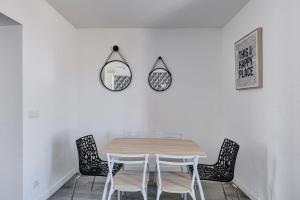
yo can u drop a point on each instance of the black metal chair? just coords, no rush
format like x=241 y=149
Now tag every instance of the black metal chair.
x=223 y=170
x=90 y=163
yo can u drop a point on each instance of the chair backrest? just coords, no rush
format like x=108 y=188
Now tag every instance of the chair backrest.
x=172 y=160
x=87 y=153
x=136 y=134
x=126 y=134
x=128 y=159
x=113 y=134
x=227 y=158
x=168 y=135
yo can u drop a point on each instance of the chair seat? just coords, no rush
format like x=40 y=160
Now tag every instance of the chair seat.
x=130 y=181
x=223 y=169
x=99 y=168
x=176 y=182
x=213 y=173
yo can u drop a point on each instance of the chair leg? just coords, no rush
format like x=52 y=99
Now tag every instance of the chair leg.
x=158 y=194
x=144 y=193
x=155 y=174
x=119 y=195
x=237 y=191
x=224 y=191
x=93 y=183
x=74 y=186
x=185 y=196
x=105 y=188
x=193 y=195
x=111 y=191
x=198 y=182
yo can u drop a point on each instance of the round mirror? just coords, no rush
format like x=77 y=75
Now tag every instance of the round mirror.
x=160 y=79
x=115 y=75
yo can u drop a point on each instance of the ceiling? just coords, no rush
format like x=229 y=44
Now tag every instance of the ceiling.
x=6 y=21
x=148 y=13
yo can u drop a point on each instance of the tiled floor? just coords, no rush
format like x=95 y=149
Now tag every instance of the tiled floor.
x=212 y=191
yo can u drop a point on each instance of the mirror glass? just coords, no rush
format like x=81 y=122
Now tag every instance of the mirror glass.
x=160 y=79
x=115 y=75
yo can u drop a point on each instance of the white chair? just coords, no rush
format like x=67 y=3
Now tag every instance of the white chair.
x=168 y=135
x=176 y=182
x=128 y=180
x=113 y=134
x=136 y=134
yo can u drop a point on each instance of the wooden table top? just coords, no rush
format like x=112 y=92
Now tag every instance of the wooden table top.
x=153 y=146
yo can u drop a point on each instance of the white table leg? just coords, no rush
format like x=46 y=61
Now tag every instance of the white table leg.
x=105 y=188
x=200 y=186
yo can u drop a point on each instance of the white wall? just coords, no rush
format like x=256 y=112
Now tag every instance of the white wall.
x=11 y=112
x=192 y=105
x=49 y=78
x=6 y=21
x=266 y=121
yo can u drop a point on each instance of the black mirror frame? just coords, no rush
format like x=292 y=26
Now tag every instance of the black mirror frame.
x=103 y=69
x=115 y=49
x=165 y=69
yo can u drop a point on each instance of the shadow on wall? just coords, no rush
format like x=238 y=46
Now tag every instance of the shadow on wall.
x=64 y=155
x=271 y=178
x=254 y=158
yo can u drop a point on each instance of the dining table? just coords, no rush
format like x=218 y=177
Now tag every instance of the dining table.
x=153 y=146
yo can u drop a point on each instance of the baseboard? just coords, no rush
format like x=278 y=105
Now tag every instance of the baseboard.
x=58 y=185
x=249 y=193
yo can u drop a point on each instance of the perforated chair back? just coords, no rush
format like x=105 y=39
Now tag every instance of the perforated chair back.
x=87 y=154
x=227 y=158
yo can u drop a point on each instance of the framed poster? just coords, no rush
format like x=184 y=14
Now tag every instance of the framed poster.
x=249 y=61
